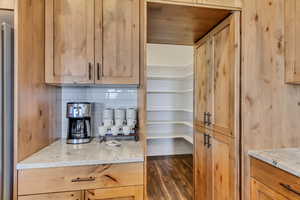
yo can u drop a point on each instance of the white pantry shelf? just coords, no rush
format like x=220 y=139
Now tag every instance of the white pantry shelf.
x=169 y=91
x=187 y=137
x=190 y=124
x=160 y=77
x=166 y=109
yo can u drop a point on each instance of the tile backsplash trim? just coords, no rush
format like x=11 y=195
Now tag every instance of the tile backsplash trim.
x=100 y=97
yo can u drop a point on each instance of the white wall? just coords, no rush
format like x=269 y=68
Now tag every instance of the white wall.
x=169 y=55
x=100 y=97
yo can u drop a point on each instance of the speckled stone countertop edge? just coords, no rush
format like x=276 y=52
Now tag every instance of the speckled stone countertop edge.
x=21 y=166
x=59 y=154
x=276 y=163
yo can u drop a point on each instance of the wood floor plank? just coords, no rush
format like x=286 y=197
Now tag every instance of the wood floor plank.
x=170 y=177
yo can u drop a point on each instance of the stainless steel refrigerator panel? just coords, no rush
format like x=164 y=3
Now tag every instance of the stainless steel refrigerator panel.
x=7 y=62
x=1 y=120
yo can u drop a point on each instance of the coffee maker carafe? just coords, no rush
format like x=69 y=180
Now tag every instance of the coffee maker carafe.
x=79 y=129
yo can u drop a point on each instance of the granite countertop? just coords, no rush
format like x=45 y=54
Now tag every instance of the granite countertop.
x=60 y=154
x=286 y=159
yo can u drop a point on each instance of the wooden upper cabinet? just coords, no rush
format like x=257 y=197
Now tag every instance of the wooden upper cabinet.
x=92 y=41
x=117 y=41
x=217 y=69
x=123 y=193
x=54 y=196
x=224 y=167
x=260 y=191
x=226 y=53
x=203 y=80
x=69 y=41
x=292 y=41
x=226 y=3
x=7 y=4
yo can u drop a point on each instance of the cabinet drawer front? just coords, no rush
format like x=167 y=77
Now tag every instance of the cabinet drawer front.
x=276 y=179
x=36 y=181
x=261 y=192
x=54 y=196
x=122 y=193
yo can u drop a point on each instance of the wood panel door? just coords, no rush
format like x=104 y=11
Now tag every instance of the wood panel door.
x=224 y=169
x=225 y=3
x=117 y=42
x=69 y=41
x=122 y=193
x=202 y=168
x=203 y=80
x=226 y=64
x=54 y=196
x=260 y=191
x=292 y=42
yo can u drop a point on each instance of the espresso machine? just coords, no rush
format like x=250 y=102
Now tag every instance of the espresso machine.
x=79 y=116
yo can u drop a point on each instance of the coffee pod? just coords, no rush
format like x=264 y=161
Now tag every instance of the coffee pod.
x=115 y=130
x=126 y=130
x=102 y=131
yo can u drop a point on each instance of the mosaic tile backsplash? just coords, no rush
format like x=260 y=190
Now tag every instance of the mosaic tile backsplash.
x=100 y=97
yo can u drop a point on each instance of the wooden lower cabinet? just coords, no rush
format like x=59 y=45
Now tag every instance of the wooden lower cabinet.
x=96 y=182
x=65 y=179
x=122 y=193
x=202 y=180
x=261 y=192
x=55 y=196
x=224 y=167
x=271 y=183
x=216 y=166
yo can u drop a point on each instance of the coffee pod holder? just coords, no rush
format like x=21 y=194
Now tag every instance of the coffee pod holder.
x=109 y=135
x=120 y=115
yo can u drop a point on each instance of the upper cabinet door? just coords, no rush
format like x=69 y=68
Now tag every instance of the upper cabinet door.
x=69 y=41
x=203 y=80
x=117 y=42
x=123 y=193
x=226 y=3
x=226 y=53
x=292 y=41
x=7 y=4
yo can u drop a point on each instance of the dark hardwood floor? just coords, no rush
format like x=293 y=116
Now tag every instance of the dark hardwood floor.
x=170 y=177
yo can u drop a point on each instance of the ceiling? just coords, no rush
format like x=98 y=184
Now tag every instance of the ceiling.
x=180 y=25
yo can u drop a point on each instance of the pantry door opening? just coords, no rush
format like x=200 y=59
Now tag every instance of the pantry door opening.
x=170 y=121
x=183 y=120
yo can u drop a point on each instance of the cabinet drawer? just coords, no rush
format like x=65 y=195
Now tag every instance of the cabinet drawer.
x=36 y=181
x=124 y=193
x=278 y=180
x=55 y=196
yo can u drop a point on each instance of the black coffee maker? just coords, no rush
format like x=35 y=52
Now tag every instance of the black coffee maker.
x=79 y=129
